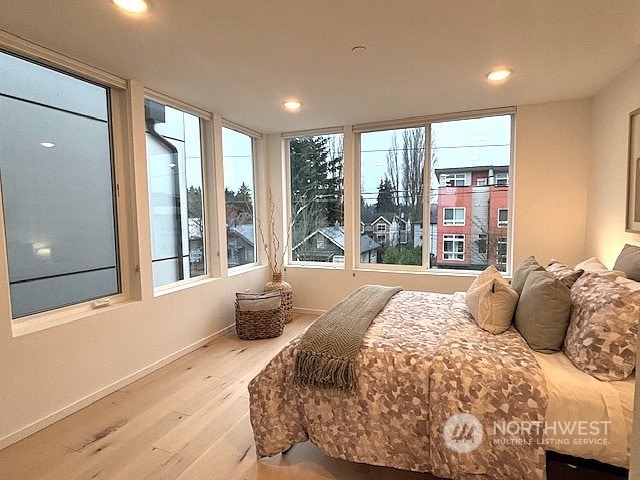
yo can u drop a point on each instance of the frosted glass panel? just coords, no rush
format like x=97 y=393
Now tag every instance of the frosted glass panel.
x=39 y=84
x=58 y=199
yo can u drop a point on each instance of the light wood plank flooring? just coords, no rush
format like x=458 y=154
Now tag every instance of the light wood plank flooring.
x=186 y=421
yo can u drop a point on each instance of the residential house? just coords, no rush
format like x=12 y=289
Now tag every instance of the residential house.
x=240 y=244
x=327 y=245
x=473 y=217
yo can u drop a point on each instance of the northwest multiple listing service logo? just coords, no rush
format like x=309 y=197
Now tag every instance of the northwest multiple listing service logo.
x=463 y=433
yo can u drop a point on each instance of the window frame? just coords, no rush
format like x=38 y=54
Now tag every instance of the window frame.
x=453 y=177
x=455 y=239
x=121 y=164
x=502 y=179
x=453 y=221
x=285 y=231
x=206 y=153
x=256 y=138
x=426 y=121
x=503 y=223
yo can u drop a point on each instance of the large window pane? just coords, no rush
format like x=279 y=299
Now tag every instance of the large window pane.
x=317 y=218
x=174 y=163
x=391 y=206
x=470 y=177
x=57 y=187
x=237 y=151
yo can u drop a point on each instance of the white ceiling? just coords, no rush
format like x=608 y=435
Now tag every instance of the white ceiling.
x=242 y=58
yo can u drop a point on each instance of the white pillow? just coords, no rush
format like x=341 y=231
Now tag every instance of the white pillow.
x=491 y=301
x=596 y=266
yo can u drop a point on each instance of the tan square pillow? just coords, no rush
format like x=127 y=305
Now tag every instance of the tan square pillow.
x=542 y=315
x=603 y=328
x=594 y=265
x=491 y=301
x=527 y=266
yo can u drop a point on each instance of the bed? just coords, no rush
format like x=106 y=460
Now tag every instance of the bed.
x=429 y=382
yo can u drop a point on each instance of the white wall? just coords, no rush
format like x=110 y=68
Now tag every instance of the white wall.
x=552 y=149
x=607 y=190
x=608 y=168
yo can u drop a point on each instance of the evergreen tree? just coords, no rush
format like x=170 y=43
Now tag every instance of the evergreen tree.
x=316 y=185
x=385 y=202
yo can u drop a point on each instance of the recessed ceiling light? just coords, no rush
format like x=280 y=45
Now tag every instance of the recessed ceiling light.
x=498 y=74
x=133 y=6
x=292 y=105
x=48 y=144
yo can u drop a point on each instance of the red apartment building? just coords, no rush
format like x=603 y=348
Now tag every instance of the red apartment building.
x=473 y=217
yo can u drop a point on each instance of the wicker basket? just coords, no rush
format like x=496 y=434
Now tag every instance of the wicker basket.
x=255 y=324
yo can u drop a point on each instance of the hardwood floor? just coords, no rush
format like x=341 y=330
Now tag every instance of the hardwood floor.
x=186 y=421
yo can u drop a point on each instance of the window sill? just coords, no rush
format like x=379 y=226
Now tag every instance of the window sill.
x=249 y=267
x=45 y=320
x=318 y=265
x=183 y=285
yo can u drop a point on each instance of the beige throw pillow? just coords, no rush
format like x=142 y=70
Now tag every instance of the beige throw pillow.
x=491 y=301
x=542 y=315
x=594 y=265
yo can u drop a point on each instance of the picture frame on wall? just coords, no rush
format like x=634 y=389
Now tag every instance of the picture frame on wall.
x=633 y=176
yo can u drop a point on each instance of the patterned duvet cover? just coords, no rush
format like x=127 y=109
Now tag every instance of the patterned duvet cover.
x=423 y=362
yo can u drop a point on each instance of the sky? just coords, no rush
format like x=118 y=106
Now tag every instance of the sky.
x=480 y=142
x=473 y=142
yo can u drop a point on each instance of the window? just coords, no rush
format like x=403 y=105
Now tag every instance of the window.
x=316 y=194
x=453 y=247
x=319 y=241
x=482 y=243
x=453 y=180
x=502 y=179
x=501 y=254
x=391 y=172
x=237 y=154
x=338 y=259
x=174 y=165
x=456 y=153
x=58 y=187
x=454 y=216
x=503 y=217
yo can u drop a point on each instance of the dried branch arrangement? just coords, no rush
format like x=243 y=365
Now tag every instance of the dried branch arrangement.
x=274 y=249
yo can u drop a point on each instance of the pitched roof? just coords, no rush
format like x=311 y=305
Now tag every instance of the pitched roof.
x=336 y=236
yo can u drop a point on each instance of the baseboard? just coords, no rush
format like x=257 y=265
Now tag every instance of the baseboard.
x=308 y=311
x=89 y=399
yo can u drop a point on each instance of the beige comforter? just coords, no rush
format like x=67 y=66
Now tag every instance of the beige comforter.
x=423 y=360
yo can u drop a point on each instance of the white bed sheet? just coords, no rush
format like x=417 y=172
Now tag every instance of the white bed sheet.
x=586 y=417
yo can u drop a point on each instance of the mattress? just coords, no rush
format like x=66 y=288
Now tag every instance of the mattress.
x=586 y=417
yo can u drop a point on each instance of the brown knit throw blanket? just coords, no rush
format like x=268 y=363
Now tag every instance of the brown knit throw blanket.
x=327 y=351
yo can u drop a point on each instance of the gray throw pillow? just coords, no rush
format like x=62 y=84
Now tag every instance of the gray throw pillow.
x=543 y=311
x=629 y=262
x=524 y=269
